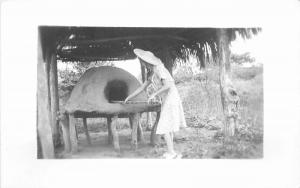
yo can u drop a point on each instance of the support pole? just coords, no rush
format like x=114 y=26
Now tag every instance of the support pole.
x=43 y=107
x=53 y=83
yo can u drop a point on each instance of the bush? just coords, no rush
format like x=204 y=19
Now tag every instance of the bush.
x=241 y=58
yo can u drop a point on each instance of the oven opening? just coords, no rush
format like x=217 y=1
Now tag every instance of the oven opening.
x=116 y=90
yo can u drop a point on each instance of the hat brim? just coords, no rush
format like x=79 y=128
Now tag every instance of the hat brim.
x=147 y=56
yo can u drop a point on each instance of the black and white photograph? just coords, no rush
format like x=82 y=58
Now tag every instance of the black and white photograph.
x=168 y=93
x=150 y=94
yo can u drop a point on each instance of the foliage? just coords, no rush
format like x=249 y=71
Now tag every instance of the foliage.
x=241 y=58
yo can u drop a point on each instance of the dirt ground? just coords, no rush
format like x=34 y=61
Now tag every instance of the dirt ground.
x=192 y=143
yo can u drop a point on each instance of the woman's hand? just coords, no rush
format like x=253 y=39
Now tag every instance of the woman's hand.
x=151 y=98
x=126 y=100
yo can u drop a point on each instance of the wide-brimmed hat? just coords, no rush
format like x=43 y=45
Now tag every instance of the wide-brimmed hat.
x=147 y=56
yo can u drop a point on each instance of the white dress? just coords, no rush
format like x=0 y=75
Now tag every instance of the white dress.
x=172 y=115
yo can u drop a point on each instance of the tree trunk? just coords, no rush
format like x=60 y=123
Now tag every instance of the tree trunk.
x=43 y=108
x=229 y=96
x=54 y=100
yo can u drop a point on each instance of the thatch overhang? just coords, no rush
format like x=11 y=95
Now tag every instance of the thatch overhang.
x=86 y=44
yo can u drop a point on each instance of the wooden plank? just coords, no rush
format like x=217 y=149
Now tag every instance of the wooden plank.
x=88 y=138
x=73 y=138
x=43 y=107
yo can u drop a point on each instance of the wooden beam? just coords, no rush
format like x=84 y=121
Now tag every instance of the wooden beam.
x=43 y=107
x=104 y=40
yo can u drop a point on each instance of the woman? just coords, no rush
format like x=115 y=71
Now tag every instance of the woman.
x=172 y=116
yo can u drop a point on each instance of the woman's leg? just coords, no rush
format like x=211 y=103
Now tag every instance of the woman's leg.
x=169 y=140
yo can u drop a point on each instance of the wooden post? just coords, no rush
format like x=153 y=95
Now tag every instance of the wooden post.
x=73 y=138
x=109 y=137
x=54 y=99
x=229 y=96
x=43 y=107
x=115 y=133
x=88 y=138
x=154 y=137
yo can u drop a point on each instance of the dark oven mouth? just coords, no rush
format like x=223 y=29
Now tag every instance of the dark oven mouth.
x=116 y=90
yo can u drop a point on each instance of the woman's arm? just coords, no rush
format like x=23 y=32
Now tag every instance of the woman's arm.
x=166 y=86
x=138 y=90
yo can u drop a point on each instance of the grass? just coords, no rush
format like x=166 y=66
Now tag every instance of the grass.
x=201 y=101
x=200 y=96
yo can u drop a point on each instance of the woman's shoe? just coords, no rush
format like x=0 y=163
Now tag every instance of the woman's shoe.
x=172 y=156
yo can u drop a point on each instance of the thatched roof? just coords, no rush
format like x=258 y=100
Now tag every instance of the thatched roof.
x=116 y=43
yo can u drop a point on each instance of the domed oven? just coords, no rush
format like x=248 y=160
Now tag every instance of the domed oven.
x=100 y=92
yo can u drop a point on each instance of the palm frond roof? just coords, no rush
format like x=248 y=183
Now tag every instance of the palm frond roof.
x=87 y=44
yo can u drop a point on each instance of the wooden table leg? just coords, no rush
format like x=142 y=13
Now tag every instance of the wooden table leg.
x=140 y=134
x=86 y=131
x=72 y=128
x=110 y=137
x=154 y=136
x=66 y=133
x=115 y=133
x=134 y=119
